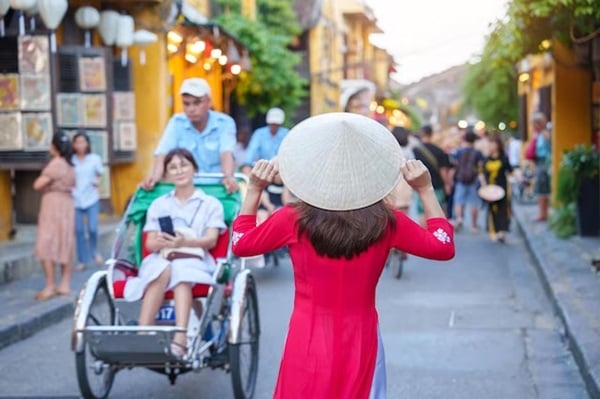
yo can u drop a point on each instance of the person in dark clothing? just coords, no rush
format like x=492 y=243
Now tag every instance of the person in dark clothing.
x=496 y=169
x=438 y=163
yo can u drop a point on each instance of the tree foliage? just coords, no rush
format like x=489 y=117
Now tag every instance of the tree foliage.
x=273 y=79
x=490 y=85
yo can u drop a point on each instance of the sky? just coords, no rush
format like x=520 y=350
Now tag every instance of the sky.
x=429 y=36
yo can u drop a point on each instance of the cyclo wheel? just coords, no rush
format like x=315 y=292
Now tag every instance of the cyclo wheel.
x=95 y=378
x=243 y=356
x=396 y=263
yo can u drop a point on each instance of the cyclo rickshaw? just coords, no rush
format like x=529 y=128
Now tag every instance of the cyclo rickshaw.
x=224 y=328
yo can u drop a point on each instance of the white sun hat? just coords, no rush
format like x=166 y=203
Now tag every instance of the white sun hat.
x=340 y=161
x=275 y=116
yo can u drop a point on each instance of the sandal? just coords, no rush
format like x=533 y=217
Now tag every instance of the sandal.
x=64 y=293
x=178 y=350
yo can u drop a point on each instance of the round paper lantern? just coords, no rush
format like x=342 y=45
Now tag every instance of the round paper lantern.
x=143 y=38
x=124 y=38
x=87 y=17
x=52 y=12
x=107 y=27
x=22 y=4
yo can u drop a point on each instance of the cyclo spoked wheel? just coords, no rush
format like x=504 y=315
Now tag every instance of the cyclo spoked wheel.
x=396 y=263
x=95 y=378
x=243 y=356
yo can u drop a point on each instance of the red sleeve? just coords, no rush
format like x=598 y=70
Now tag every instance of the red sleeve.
x=275 y=232
x=435 y=242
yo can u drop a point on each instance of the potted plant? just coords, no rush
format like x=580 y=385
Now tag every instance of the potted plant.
x=579 y=184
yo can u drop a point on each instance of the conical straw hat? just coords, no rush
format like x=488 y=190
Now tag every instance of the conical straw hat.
x=340 y=161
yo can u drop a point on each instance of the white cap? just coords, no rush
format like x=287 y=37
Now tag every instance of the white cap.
x=275 y=116
x=195 y=87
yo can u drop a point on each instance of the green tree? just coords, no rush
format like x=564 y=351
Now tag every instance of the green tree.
x=490 y=85
x=273 y=79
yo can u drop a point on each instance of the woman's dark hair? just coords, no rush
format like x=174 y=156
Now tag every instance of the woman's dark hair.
x=62 y=144
x=87 y=140
x=182 y=153
x=401 y=135
x=343 y=234
x=499 y=144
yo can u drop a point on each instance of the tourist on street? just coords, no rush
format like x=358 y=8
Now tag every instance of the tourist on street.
x=88 y=169
x=438 y=164
x=197 y=219
x=209 y=135
x=496 y=169
x=468 y=164
x=339 y=234
x=542 y=163
x=55 y=237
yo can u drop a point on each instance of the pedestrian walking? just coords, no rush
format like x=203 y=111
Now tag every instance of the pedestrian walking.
x=339 y=235
x=265 y=141
x=468 y=165
x=401 y=196
x=88 y=170
x=54 y=242
x=438 y=164
x=541 y=136
x=496 y=170
x=209 y=135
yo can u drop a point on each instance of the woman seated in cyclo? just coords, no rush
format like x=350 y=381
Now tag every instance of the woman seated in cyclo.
x=197 y=219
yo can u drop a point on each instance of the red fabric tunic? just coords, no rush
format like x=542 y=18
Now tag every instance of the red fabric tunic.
x=331 y=347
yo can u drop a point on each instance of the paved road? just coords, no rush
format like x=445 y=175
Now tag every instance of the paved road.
x=477 y=327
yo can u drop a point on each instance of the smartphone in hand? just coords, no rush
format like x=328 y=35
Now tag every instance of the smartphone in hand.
x=166 y=225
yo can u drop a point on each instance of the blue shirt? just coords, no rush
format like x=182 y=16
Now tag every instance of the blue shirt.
x=206 y=146
x=542 y=146
x=264 y=145
x=87 y=171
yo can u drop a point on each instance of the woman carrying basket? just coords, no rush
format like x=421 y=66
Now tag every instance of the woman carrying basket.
x=340 y=166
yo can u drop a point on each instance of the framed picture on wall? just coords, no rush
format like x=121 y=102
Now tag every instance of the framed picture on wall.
x=104 y=186
x=11 y=138
x=69 y=109
x=34 y=56
x=127 y=136
x=92 y=74
x=9 y=92
x=123 y=106
x=94 y=114
x=99 y=143
x=37 y=130
x=35 y=92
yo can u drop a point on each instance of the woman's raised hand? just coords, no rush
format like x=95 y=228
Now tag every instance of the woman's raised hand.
x=263 y=173
x=416 y=174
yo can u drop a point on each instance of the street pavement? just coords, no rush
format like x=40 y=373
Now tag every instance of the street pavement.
x=479 y=326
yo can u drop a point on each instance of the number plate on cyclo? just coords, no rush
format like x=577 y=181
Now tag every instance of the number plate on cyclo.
x=166 y=313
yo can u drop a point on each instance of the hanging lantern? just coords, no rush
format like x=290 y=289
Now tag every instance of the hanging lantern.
x=4 y=6
x=124 y=39
x=22 y=5
x=87 y=18
x=143 y=38
x=107 y=27
x=52 y=12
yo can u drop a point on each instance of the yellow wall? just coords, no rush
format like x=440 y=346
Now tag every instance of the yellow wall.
x=6 y=207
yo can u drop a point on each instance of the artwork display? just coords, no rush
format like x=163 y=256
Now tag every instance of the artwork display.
x=9 y=91
x=11 y=138
x=99 y=143
x=37 y=130
x=104 y=186
x=33 y=54
x=69 y=109
x=94 y=106
x=92 y=75
x=123 y=106
x=127 y=136
x=35 y=92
